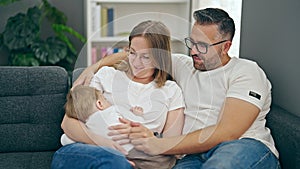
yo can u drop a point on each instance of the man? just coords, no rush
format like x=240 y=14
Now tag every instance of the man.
x=226 y=98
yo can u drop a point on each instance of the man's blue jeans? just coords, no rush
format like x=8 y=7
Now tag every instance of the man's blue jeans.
x=238 y=154
x=84 y=156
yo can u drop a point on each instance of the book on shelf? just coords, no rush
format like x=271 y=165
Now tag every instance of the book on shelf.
x=107 y=21
x=103 y=21
x=105 y=51
x=95 y=17
x=94 y=58
x=110 y=22
x=97 y=54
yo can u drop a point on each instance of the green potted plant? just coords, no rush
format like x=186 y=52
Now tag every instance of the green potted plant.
x=26 y=47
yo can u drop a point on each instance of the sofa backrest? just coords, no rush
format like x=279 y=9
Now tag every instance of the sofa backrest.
x=31 y=107
x=76 y=73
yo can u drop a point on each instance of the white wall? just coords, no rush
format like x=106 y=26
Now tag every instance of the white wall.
x=270 y=35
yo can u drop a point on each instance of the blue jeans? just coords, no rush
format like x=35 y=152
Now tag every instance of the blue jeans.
x=85 y=156
x=238 y=154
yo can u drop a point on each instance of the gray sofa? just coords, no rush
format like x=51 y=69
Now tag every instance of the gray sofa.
x=285 y=129
x=31 y=110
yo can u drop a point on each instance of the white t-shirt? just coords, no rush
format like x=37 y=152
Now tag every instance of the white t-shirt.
x=124 y=93
x=98 y=123
x=101 y=120
x=205 y=92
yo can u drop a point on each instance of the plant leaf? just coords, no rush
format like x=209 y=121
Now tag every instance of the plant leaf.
x=41 y=51
x=64 y=28
x=51 y=51
x=20 y=31
x=53 y=14
x=34 y=14
x=58 y=50
x=23 y=59
x=59 y=29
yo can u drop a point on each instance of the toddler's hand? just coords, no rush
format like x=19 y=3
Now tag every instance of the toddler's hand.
x=137 y=110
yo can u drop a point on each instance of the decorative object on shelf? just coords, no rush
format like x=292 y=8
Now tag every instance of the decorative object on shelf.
x=22 y=38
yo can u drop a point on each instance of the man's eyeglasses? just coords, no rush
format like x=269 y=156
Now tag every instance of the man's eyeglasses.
x=200 y=46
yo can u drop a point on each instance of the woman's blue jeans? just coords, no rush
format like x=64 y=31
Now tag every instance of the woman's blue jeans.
x=237 y=154
x=245 y=153
x=85 y=156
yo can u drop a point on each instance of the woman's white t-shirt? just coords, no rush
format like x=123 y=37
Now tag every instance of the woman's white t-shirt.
x=124 y=93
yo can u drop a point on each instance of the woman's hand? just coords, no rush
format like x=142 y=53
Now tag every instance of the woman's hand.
x=101 y=141
x=139 y=131
x=141 y=137
x=120 y=132
x=86 y=76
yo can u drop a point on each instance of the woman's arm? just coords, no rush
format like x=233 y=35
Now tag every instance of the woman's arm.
x=86 y=76
x=174 y=123
x=78 y=132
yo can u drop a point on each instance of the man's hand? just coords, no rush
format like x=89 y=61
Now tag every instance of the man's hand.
x=144 y=140
x=141 y=137
x=149 y=145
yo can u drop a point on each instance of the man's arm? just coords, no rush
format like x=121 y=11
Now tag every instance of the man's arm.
x=86 y=76
x=237 y=116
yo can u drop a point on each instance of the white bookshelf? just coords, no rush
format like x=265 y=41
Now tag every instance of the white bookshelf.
x=175 y=14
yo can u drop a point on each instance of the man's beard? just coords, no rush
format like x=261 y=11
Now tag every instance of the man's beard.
x=204 y=64
x=198 y=66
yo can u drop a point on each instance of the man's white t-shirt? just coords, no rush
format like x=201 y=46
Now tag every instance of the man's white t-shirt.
x=205 y=92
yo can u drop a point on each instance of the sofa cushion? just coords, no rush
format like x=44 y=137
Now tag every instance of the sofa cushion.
x=31 y=107
x=26 y=160
x=286 y=132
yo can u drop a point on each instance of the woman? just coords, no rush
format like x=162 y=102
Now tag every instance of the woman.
x=140 y=80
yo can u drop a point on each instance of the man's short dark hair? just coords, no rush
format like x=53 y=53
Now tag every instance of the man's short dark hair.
x=216 y=16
